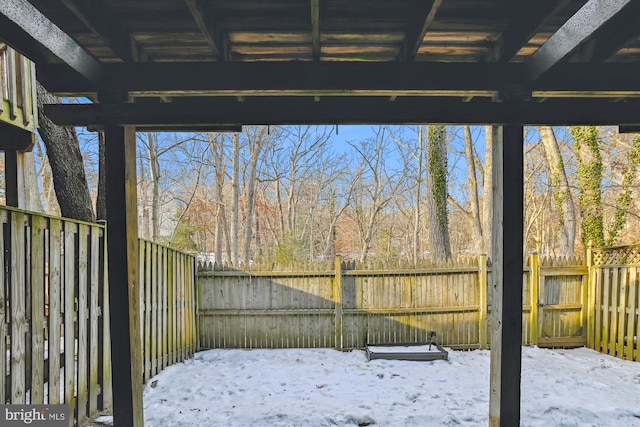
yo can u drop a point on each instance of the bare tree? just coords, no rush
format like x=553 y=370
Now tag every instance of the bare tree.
x=561 y=190
x=377 y=188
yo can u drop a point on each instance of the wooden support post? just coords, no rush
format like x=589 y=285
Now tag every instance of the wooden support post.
x=13 y=180
x=534 y=281
x=124 y=296
x=506 y=312
x=482 y=284
x=337 y=299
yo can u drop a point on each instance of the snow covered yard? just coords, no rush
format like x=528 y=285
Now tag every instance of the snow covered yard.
x=324 y=387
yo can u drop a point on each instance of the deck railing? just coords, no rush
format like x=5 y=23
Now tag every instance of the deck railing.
x=18 y=105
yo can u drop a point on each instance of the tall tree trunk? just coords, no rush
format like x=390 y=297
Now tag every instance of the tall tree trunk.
x=256 y=143
x=561 y=190
x=438 y=216
x=472 y=182
x=417 y=209
x=154 y=175
x=63 y=151
x=145 y=220
x=589 y=183
x=491 y=133
x=235 y=207
x=101 y=199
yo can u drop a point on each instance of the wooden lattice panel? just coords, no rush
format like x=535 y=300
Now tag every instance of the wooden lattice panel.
x=627 y=255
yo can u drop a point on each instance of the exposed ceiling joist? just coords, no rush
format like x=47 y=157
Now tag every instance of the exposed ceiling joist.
x=203 y=15
x=315 y=29
x=347 y=111
x=578 y=29
x=101 y=22
x=414 y=35
x=347 y=79
x=27 y=30
x=527 y=18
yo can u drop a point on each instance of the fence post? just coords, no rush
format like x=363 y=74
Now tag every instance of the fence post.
x=588 y=295
x=337 y=298
x=534 y=280
x=482 y=283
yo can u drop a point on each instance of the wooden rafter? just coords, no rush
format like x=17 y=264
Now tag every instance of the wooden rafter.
x=204 y=16
x=579 y=28
x=415 y=34
x=527 y=18
x=27 y=29
x=364 y=110
x=615 y=34
x=315 y=29
x=101 y=22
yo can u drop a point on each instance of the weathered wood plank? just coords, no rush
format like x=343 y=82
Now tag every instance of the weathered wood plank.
x=94 y=316
x=82 y=317
x=55 y=320
x=18 y=309
x=613 y=311
x=597 y=311
x=70 y=236
x=38 y=225
x=622 y=305
x=606 y=314
x=104 y=329
x=3 y=303
x=145 y=287
x=631 y=314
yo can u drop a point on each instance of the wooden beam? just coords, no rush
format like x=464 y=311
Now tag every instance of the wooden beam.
x=616 y=33
x=315 y=29
x=124 y=293
x=12 y=179
x=526 y=20
x=365 y=110
x=415 y=34
x=95 y=15
x=301 y=78
x=205 y=19
x=506 y=310
x=26 y=28
x=345 y=79
x=629 y=129
x=579 y=28
x=15 y=138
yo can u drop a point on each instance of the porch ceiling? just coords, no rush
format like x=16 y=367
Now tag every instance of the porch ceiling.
x=341 y=53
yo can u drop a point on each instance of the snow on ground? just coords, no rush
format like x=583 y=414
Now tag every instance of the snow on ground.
x=324 y=387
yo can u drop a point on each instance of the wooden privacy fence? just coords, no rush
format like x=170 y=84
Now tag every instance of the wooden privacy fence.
x=613 y=301
x=168 y=305
x=345 y=308
x=54 y=312
x=54 y=315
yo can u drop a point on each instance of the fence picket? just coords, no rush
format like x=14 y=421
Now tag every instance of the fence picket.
x=55 y=313
x=3 y=310
x=37 y=309
x=18 y=309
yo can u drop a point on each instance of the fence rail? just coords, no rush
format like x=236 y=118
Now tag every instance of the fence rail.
x=54 y=312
